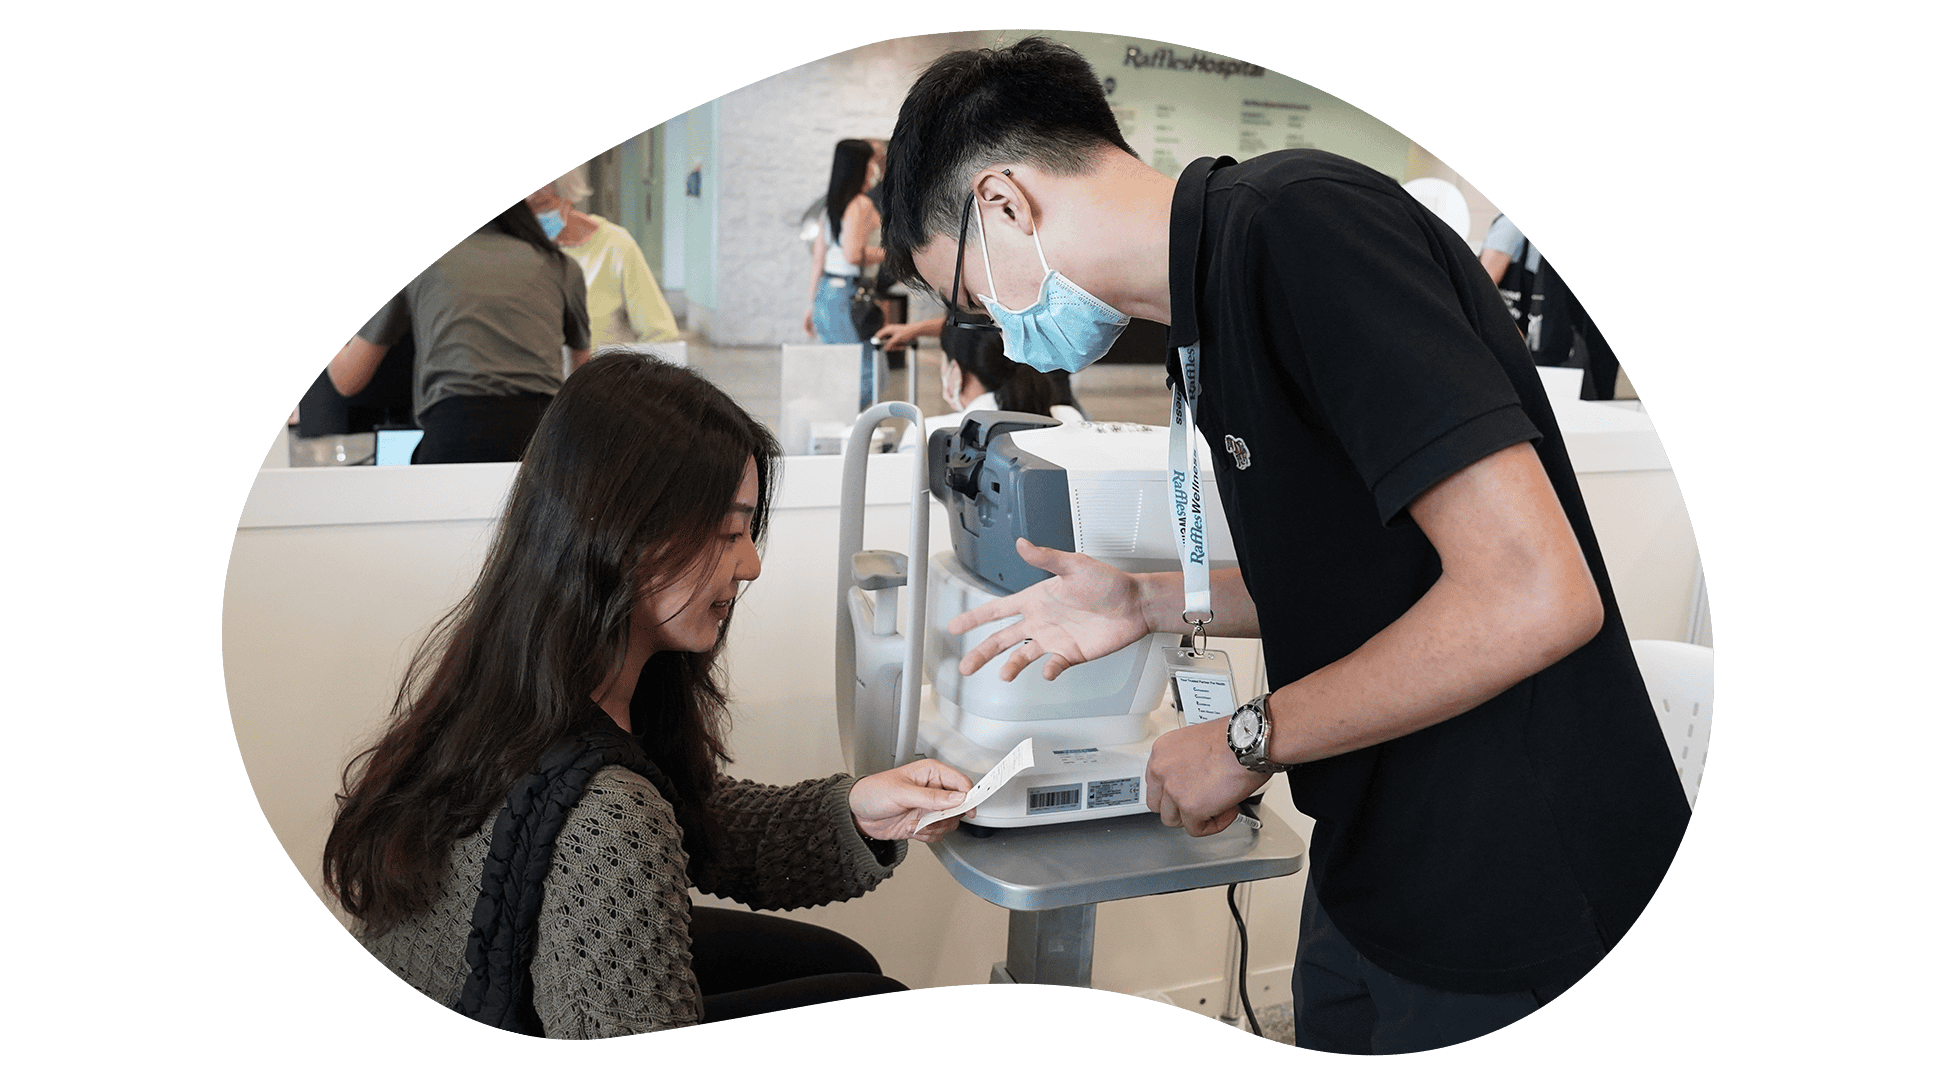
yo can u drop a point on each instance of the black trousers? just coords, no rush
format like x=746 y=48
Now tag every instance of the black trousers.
x=456 y=429
x=1343 y=1003
x=748 y=964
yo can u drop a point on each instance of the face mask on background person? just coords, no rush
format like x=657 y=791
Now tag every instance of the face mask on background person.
x=1064 y=329
x=553 y=222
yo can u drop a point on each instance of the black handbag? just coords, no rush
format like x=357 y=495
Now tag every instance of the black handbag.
x=867 y=318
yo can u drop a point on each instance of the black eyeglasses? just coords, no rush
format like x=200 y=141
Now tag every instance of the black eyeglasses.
x=965 y=320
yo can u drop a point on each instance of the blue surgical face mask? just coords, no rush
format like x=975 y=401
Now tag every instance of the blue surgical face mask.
x=553 y=222
x=1064 y=329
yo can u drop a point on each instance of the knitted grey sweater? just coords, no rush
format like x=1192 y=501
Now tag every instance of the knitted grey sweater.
x=613 y=948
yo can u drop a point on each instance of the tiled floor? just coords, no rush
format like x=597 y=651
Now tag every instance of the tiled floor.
x=1276 y=1022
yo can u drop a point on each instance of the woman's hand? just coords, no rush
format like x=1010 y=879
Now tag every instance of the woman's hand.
x=889 y=805
x=810 y=322
x=1088 y=610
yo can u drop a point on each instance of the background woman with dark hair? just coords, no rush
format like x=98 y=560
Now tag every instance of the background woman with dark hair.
x=977 y=374
x=843 y=253
x=491 y=319
x=520 y=842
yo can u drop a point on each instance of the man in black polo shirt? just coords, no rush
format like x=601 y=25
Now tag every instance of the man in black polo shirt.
x=1456 y=701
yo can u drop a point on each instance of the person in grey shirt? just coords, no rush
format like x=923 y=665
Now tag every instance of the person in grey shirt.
x=490 y=319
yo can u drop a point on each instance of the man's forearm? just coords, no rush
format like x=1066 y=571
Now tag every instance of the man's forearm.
x=1515 y=595
x=1448 y=654
x=1232 y=613
x=1452 y=651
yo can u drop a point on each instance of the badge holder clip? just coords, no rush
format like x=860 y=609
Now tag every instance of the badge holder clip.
x=1201 y=677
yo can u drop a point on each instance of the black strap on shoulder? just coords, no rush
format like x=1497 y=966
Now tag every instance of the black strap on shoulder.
x=504 y=924
x=1186 y=245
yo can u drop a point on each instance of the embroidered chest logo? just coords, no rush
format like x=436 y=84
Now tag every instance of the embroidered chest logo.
x=1241 y=457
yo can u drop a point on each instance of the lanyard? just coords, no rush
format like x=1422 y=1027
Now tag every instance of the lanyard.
x=1188 y=497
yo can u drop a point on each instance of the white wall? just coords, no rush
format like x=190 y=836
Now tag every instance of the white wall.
x=775 y=138
x=1176 y=103
x=673 y=208
x=1649 y=549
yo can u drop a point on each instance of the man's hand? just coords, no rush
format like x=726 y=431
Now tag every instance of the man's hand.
x=888 y=805
x=895 y=335
x=1194 y=782
x=1087 y=610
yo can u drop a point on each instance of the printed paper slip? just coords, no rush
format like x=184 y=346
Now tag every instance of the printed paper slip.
x=1207 y=695
x=1016 y=761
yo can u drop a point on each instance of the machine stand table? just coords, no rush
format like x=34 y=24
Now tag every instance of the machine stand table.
x=1051 y=877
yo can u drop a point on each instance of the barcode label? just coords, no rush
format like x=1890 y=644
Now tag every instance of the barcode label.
x=1054 y=800
x=1114 y=792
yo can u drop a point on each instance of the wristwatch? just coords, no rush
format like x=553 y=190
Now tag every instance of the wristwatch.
x=1248 y=735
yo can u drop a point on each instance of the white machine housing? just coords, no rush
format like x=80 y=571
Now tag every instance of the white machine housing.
x=1092 y=726
x=1119 y=492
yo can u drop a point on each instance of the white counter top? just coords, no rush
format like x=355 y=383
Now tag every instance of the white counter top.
x=1607 y=438
x=372 y=495
x=1602 y=438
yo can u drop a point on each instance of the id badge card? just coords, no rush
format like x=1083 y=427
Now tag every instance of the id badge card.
x=1201 y=683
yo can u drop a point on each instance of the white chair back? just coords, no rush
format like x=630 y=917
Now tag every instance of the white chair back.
x=819 y=400
x=1681 y=683
x=1443 y=199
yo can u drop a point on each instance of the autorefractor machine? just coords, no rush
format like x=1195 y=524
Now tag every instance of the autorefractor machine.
x=1094 y=488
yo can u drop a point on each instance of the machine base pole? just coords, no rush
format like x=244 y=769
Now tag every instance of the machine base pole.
x=1053 y=946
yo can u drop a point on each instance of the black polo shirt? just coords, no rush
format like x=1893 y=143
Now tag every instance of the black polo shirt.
x=1356 y=348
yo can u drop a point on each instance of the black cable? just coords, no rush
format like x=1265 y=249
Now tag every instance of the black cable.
x=1231 y=901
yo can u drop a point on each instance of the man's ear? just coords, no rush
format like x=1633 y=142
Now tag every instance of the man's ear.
x=1001 y=191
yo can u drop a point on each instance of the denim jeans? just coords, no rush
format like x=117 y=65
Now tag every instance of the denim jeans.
x=830 y=313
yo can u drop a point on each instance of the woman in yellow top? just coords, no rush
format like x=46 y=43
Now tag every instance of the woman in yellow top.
x=621 y=293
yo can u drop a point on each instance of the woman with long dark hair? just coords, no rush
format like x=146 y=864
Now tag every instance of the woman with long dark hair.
x=520 y=842
x=843 y=253
x=490 y=320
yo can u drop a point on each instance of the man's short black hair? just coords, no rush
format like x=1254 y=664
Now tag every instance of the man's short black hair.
x=1036 y=100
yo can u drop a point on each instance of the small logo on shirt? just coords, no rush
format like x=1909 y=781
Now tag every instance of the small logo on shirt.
x=1241 y=457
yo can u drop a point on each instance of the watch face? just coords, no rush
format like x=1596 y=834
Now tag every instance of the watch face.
x=1245 y=728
